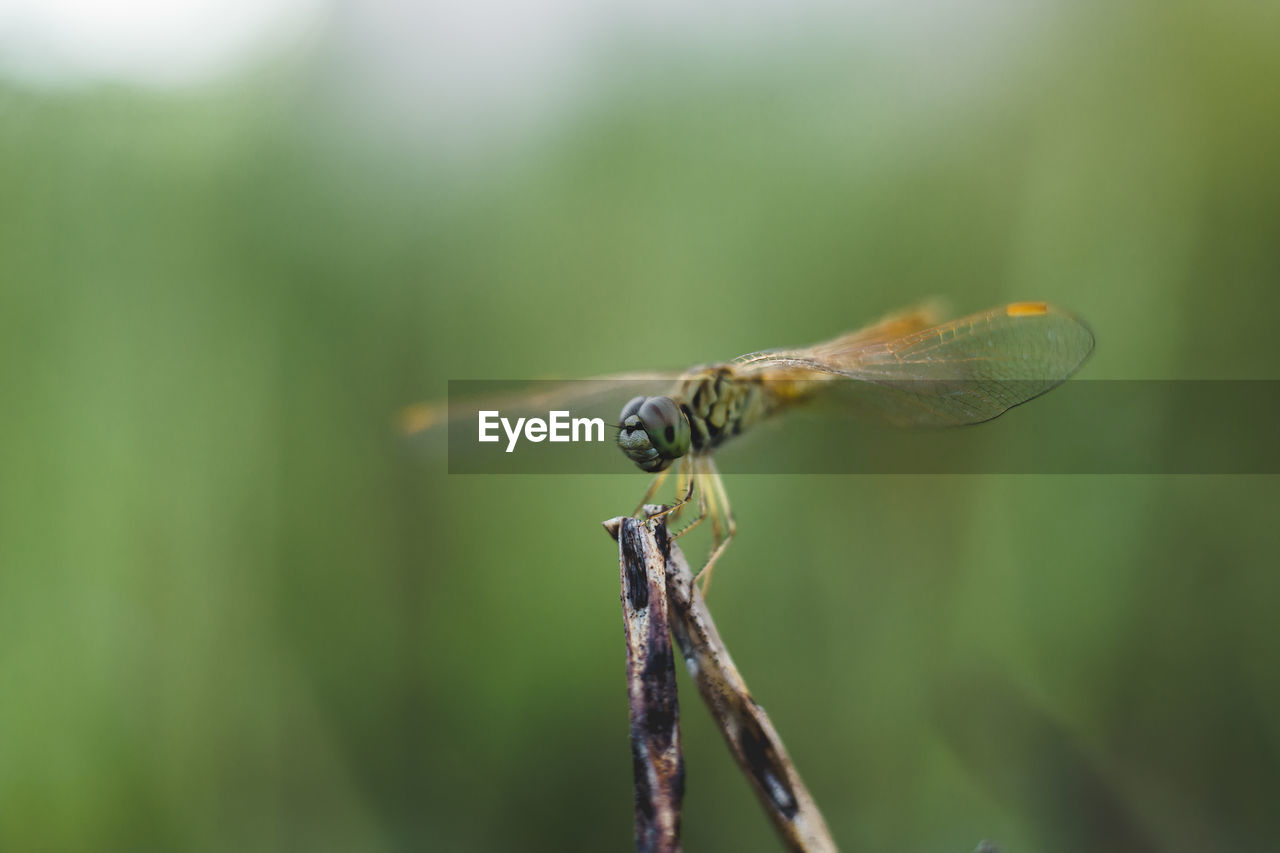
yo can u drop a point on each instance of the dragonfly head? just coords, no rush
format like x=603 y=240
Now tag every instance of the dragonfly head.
x=654 y=431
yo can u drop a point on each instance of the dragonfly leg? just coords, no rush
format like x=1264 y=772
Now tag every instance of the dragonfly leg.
x=686 y=473
x=656 y=483
x=702 y=512
x=684 y=486
x=723 y=526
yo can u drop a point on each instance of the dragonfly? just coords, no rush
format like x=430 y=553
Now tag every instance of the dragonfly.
x=908 y=369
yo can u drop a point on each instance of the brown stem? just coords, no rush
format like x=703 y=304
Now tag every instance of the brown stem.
x=657 y=760
x=751 y=737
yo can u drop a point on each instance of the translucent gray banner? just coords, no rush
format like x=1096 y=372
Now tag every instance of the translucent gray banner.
x=846 y=427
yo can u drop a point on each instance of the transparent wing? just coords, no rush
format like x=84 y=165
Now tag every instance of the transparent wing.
x=536 y=395
x=888 y=328
x=962 y=372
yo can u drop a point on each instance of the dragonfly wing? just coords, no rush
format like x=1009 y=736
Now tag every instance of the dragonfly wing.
x=891 y=327
x=962 y=372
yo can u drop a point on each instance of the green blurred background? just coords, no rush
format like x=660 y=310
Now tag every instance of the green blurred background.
x=237 y=612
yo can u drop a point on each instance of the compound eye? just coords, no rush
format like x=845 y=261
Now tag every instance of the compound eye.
x=630 y=409
x=666 y=425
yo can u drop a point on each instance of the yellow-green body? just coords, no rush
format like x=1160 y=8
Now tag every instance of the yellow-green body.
x=721 y=402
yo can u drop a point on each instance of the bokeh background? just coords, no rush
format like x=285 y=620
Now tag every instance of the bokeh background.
x=237 y=611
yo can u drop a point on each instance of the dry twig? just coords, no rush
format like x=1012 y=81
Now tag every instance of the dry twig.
x=657 y=762
x=751 y=737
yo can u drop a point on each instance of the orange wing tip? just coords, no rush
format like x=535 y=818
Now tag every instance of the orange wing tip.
x=1026 y=309
x=413 y=419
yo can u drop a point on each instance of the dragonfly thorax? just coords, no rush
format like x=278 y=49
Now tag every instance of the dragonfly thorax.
x=654 y=432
